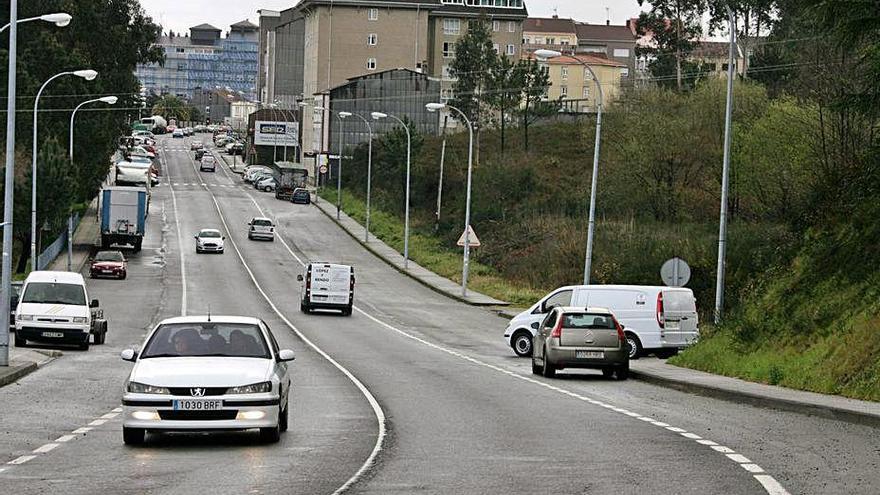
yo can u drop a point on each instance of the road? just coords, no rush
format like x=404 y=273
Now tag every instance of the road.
x=413 y=393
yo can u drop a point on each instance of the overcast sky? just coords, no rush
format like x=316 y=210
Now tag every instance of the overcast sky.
x=180 y=15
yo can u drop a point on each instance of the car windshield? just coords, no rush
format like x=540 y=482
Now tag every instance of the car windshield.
x=54 y=293
x=207 y=339
x=109 y=256
x=209 y=233
x=263 y=223
x=589 y=320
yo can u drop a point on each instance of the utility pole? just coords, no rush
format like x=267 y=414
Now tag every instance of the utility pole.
x=440 y=183
x=9 y=185
x=725 y=174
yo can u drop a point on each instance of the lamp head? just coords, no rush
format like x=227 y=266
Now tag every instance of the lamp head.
x=111 y=100
x=344 y=115
x=433 y=107
x=302 y=104
x=378 y=115
x=319 y=109
x=544 y=54
x=87 y=74
x=60 y=19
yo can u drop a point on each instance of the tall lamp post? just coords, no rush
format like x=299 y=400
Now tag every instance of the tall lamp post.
x=380 y=116
x=369 y=169
x=588 y=258
x=88 y=75
x=110 y=100
x=342 y=116
x=60 y=20
x=433 y=107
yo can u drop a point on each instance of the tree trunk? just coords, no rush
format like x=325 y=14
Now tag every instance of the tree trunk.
x=502 y=129
x=526 y=125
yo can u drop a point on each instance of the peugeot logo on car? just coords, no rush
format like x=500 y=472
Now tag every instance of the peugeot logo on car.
x=197 y=392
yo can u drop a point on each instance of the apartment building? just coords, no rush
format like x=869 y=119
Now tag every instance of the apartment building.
x=550 y=34
x=573 y=84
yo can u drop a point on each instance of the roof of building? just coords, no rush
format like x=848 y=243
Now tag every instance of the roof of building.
x=583 y=59
x=379 y=73
x=431 y=5
x=204 y=27
x=604 y=32
x=245 y=25
x=713 y=49
x=549 y=25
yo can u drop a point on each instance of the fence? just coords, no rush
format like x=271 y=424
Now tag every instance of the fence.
x=50 y=253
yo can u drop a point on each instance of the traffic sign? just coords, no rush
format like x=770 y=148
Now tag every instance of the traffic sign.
x=675 y=272
x=323 y=169
x=473 y=241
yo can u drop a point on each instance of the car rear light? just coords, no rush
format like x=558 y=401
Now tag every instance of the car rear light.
x=660 y=318
x=557 y=330
x=620 y=336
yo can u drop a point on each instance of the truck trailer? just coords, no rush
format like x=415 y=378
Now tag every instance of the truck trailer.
x=123 y=216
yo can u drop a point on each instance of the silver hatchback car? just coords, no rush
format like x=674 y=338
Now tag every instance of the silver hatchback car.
x=571 y=337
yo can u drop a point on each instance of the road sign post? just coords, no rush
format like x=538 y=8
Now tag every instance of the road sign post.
x=675 y=272
x=471 y=237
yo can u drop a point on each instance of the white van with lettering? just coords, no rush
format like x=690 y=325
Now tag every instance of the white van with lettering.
x=327 y=286
x=656 y=319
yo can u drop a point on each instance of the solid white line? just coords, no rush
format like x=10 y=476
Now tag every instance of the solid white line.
x=374 y=404
x=65 y=438
x=21 y=460
x=45 y=448
x=80 y=431
x=98 y=422
x=771 y=485
x=167 y=169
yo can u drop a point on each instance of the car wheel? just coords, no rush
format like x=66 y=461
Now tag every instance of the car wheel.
x=634 y=345
x=250 y=237
x=124 y=275
x=283 y=419
x=133 y=436
x=84 y=346
x=607 y=372
x=549 y=370
x=271 y=434
x=522 y=343
x=198 y=251
x=347 y=311
x=98 y=338
x=304 y=307
x=20 y=341
x=536 y=370
x=621 y=373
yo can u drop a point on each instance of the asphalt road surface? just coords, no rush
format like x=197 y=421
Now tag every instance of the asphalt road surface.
x=413 y=393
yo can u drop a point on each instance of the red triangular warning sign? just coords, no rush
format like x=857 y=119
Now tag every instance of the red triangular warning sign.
x=473 y=241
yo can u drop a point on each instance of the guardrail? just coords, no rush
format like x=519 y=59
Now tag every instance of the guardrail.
x=53 y=250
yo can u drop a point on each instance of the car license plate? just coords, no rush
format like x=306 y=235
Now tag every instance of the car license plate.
x=672 y=325
x=589 y=354
x=56 y=335
x=107 y=271
x=197 y=405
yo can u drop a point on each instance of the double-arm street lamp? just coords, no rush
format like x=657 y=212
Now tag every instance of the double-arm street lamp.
x=546 y=54
x=88 y=75
x=380 y=116
x=369 y=168
x=110 y=100
x=433 y=107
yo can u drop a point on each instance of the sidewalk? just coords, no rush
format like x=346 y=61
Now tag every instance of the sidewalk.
x=85 y=238
x=390 y=255
x=228 y=159
x=24 y=361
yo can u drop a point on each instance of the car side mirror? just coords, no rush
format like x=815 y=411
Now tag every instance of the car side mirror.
x=285 y=355
x=94 y=303
x=299 y=278
x=224 y=237
x=536 y=325
x=195 y=237
x=128 y=355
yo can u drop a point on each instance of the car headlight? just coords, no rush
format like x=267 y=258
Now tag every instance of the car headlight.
x=25 y=317
x=254 y=388
x=142 y=388
x=80 y=319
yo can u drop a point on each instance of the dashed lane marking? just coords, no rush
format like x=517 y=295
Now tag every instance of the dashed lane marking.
x=45 y=448
x=65 y=438
x=21 y=460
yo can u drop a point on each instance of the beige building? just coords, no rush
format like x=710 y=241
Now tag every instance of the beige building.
x=573 y=83
x=550 y=33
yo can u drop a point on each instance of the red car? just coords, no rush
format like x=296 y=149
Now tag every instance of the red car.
x=109 y=264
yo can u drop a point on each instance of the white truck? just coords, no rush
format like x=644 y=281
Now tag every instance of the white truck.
x=54 y=308
x=327 y=286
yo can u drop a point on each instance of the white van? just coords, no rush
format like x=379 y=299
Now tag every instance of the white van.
x=656 y=319
x=327 y=286
x=54 y=308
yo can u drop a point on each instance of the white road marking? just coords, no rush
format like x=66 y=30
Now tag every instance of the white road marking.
x=692 y=436
x=739 y=458
x=722 y=449
x=771 y=485
x=65 y=438
x=117 y=410
x=21 y=460
x=752 y=468
x=676 y=429
x=110 y=415
x=179 y=241
x=45 y=448
x=98 y=422
x=706 y=442
x=80 y=431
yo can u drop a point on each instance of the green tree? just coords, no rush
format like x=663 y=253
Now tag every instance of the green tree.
x=535 y=81
x=675 y=28
x=753 y=19
x=506 y=83
x=172 y=107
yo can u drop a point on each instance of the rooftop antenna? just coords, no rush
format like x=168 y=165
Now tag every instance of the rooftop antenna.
x=607 y=16
x=209 y=312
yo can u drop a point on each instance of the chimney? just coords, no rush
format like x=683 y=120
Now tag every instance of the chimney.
x=608 y=22
x=556 y=16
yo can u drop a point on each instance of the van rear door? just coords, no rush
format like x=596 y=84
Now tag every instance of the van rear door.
x=330 y=284
x=680 y=316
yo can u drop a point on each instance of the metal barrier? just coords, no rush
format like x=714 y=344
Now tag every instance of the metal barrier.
x=50 y=253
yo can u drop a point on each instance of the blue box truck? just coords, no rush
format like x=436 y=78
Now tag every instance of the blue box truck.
x=123 y=216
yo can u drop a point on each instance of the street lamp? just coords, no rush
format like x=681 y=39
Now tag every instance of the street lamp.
x=588 y=258
x=434 y=107
x=88 y=75
x=369 y=169
x=110 y=100
x=380 y=116
x=342 y=116
x=60 y=19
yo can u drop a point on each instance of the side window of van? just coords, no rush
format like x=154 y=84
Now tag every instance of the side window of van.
x=561 y=298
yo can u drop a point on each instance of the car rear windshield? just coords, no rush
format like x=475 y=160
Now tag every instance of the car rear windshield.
x=207 y=339
x=588 y=320
x=263 y=223
x=109 y=256
x=54 y=293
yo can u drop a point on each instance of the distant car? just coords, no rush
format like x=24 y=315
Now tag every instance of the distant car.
x=203 y=373
x=267 y=185
x=209 y=241
x=200 y=128
x=237 y=149
x=196 y=145
x=199 y=154
x=188 y=131
x=261 y=228
x=579 y=337
x=252 y=172
x=177 y=133
x=208 y=163
x=301 y=196
x=13 y=302
x=260 y=177
x=110 y=264
x=228 y=147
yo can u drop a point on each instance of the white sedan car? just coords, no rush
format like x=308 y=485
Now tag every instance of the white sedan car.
x=209 y=241
x=202 y=373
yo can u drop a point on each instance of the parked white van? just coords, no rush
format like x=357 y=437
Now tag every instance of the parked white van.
x=327 y=286
x=656 y=319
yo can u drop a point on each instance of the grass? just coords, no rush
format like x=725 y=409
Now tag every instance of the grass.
x=429 y=252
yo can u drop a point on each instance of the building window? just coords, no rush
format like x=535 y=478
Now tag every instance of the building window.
x=511 y=49
x=550 y=41
x=563 y=90
x=624 y=72
x=587 y=74
x=511 y=27
x=451 y=27
x=564 y=41
x=446 y=72
x=621 y=52
x=564 y=73
x=527 y=41
x=497 y=47
x=445 y=95
x=374 y=15
x=586 y=92
x=496 y=26
x=179 y=50
x=448 y=49
x=372 y=39
x=371 y=63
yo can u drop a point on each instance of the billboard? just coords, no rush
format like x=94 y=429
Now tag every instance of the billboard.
x=269 y=133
